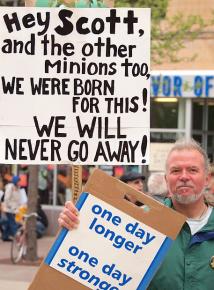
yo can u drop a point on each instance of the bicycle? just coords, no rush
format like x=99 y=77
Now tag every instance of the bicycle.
x=18 y=244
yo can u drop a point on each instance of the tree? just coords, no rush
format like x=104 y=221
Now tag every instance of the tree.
x=32 y=208
x=168 y=35
x=80 y=3
x=158 y=7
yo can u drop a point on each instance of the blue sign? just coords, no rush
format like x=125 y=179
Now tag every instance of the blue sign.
x=176 y=85
x=100 y=254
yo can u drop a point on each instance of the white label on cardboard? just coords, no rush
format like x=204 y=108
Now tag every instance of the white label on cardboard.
x=74 y=85
x=109 y=250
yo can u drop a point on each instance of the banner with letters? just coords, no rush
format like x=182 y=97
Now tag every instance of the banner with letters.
x=74 y=85
x=117 y=245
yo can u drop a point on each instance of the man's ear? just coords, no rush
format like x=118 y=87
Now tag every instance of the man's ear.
x=165 y=176
x=208 y=178
x=169 y=192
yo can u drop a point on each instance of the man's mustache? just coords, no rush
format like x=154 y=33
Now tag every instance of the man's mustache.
x=184 y=184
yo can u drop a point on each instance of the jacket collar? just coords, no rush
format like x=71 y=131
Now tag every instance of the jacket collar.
x=208 y=227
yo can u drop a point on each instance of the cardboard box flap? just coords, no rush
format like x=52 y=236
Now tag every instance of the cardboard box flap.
x=48 y=278
x=156 y=215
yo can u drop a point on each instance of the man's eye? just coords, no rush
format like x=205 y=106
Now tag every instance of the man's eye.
x=193 y=170
x=176 y=170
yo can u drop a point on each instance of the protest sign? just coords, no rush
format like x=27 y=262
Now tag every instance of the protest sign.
x=158 y=156
x=75 y=85
x=117 y=244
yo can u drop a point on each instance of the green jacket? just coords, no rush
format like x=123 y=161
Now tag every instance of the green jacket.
x=187 y=264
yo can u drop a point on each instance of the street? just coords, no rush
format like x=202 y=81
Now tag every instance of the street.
x=19 y=276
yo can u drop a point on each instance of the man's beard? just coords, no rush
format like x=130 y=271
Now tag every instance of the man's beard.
x=187 y=199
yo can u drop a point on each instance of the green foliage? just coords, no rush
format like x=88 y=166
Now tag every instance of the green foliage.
x=168 y=36
x=158 y=8
x=77 y=3
x=89 y=3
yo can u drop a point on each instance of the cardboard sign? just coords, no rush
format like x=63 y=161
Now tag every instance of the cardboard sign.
x=117 y=244
x=74 y=85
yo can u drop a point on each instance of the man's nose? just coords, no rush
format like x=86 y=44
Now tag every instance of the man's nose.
x=184 y=175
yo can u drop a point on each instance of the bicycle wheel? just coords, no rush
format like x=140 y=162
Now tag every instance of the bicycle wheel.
x=17 y=247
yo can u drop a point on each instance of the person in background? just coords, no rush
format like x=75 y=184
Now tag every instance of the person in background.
x=41 y=219
x=135 y=180
x=1 y=190
x=23 y=175
x=7 y=177
x=157 y=187
x=1 y=207
x=41 y=222
x=209 y=195
x=43 y=185
x=189 y=263
x=14 y=198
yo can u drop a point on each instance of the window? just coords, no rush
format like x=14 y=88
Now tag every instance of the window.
x=210 y=115
x=164 y=114
x=197 y=115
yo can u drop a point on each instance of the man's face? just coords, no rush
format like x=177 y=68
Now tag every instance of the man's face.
x=185 y=175
x=136 y=184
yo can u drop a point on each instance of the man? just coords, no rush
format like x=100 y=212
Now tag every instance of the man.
x=189 y=264
x=135 y=180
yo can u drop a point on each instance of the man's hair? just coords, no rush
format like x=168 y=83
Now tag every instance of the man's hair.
x=189 y=144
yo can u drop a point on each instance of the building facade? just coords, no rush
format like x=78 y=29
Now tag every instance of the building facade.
x=182 y=93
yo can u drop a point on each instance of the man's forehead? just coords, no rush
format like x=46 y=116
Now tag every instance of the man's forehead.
x=185 y=153
x=190 y=157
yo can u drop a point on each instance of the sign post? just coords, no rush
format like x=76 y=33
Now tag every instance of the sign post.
x=76 y=182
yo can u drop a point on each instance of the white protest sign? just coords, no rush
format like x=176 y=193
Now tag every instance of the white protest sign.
x=125 y=246
x=74 y=85
x=158 y=156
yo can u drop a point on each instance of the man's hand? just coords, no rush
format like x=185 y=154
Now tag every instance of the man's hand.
x=68 y=218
